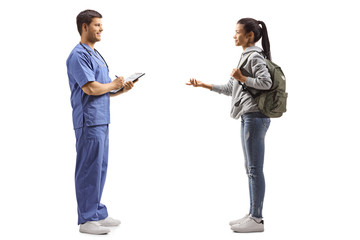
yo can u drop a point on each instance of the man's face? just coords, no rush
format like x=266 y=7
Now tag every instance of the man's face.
x=93 y=30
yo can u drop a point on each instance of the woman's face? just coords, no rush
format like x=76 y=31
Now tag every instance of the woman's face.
x=241 y=38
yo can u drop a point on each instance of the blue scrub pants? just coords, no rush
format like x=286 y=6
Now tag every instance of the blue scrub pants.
x=92 y=147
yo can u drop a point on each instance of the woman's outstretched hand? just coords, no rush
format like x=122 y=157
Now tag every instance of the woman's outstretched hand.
x=194 y=82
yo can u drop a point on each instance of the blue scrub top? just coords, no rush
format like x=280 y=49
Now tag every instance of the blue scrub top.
x=83 y=68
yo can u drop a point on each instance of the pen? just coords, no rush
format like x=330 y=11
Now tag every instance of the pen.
x=121 y=87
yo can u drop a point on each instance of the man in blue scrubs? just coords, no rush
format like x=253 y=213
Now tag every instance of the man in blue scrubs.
x=90 y=86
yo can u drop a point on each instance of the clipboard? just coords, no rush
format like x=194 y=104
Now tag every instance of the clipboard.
x=132 y=78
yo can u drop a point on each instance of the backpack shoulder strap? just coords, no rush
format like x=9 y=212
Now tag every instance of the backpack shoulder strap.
x=244 y=87
x=245 y=61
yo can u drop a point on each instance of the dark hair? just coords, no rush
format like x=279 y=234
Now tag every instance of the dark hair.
x=252 y=25
x=86 y=17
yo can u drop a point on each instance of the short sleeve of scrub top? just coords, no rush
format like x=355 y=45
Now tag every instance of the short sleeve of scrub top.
x=81 y=69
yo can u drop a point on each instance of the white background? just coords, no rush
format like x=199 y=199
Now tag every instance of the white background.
x=176 y=169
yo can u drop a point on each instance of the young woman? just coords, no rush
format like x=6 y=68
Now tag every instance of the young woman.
x=243 y=86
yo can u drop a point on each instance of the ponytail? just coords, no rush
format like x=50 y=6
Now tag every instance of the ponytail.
x=265 y=40
x=251 y=25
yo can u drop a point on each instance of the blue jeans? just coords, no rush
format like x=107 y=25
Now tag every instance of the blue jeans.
x=253 y=130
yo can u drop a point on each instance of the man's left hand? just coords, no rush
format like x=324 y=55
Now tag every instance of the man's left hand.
x=128 y=85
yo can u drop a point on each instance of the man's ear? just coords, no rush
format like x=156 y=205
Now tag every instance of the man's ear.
x=84 y=26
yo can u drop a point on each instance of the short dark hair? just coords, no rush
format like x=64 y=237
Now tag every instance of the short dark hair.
x=86 y=17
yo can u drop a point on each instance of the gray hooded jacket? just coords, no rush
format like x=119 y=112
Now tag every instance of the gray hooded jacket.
x=259 y=79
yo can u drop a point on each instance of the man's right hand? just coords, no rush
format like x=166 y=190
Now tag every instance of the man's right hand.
x=118 y=83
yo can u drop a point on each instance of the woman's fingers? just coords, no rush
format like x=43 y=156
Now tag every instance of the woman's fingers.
x=193 y=82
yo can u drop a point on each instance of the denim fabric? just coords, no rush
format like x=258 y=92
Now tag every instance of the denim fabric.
x=253 y=130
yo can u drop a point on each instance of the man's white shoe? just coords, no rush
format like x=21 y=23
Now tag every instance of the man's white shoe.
x=109 y=222
x=250 y=224
x=239 y=221
x=93 y=227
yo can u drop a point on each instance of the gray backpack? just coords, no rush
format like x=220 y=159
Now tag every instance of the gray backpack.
x=272 y=102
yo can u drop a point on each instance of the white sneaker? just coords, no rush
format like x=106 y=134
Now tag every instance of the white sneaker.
x=239 y=221
x=250 y=224
x=109 y=222
x=93 y=227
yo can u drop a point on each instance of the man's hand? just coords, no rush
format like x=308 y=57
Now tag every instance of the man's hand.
x=128 y=85
x=118 y=83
